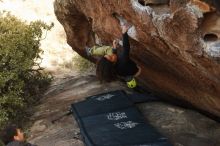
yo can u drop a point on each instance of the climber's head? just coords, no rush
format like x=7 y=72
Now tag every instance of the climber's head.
x=112 y=58
x=11 y=133
x=105 y=70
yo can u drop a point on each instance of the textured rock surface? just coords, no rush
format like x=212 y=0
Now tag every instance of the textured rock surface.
x=183 y=127
x=177 y=43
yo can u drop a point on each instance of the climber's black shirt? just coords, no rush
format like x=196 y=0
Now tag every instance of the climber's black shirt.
x=124 y=65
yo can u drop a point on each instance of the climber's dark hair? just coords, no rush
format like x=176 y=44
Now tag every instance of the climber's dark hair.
x=7 y=134
x=105 y=70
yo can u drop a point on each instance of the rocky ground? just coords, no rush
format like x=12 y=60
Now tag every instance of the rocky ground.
x=182 y=126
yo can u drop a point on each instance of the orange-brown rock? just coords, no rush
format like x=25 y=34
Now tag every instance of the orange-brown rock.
x=201 y=5
x=175 y=43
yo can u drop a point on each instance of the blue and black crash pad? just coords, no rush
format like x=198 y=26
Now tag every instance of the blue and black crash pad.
x=111 y=119
x=135 y=97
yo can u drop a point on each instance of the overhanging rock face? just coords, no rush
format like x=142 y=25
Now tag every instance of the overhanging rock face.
x=177 y=43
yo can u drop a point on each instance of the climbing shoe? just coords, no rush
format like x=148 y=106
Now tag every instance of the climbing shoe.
x=131 y=82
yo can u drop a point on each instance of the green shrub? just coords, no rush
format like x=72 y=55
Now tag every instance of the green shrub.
x=82 y=64
x=78 y=64
x=1 y=143
x=21 y=78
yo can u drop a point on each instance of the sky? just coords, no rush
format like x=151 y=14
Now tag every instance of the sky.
x=56 y=50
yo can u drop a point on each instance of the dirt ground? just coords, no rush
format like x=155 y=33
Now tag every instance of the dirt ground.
x=182 y=126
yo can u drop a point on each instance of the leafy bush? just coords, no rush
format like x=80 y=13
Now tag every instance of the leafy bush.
x=78 y=64
x=21 y=78
x=82 y=64
x=1 y=143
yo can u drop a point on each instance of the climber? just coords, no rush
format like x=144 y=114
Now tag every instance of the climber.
x=12 y=135
x=114 y=64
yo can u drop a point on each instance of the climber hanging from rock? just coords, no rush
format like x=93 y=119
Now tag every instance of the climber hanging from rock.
x=114 y=64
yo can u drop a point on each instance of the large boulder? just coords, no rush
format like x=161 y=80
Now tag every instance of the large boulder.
x=176 y=43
